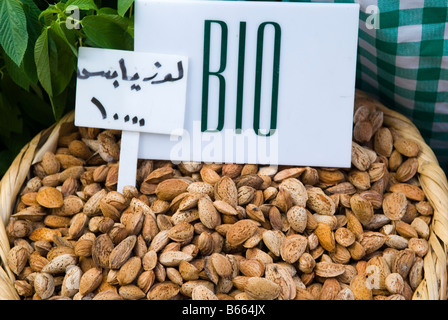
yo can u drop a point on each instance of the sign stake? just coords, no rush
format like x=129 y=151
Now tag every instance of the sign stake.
x=127 y=170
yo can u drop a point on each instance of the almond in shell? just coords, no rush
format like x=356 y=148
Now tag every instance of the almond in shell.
x=222 y=265
x=90 y=280
x=394 y=205
x=174 y=258
x=416 y=273
x=328 y=269
x=377 y=271
x=283 y=200
x=50 y=197
x=120 y=254
x=181 y=232
x=362 y=208
x=60 y=263
x=330 y=176
x=17 y=258
x=252 y=180
x=188 y=287
x=201 y=188
x=407 y=170
x=70 y=284
x=344 y=237
x=296 y=190
x=203 y=293
x=209 y=175
x=131 y=292
x=292 y=247
x=251 y=267
x=325 y=236
x=340 y=254
x=353 y=224
x=225 y=208
x=163 y=291
x=280 y=275
x=411 y=192
x=170 y=188
x=208 y=214
x=232 y=170
x=101 y=249
x=273 y=240
x=360 y=179
x=255 y=213
x=360 y=289
x=226 y=190
x=297 y=218
x=330 y=289
x=319 y=202
x=394 y=283
x=421 y=227
x=403 y=262
x=129 y=271
x=259 y=288
x=383 y=142
x=50 y=163
x=360 y=157
x=240 y=231
x=45 y=234
x=372 y=241
x=288 y=173
x=44 y=285
x=406 y=147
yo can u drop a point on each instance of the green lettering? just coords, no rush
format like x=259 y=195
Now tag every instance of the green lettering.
x=206 y=73
x=275 y=77
x=240 y=81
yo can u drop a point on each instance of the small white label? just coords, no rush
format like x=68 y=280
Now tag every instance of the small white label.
x=132 y=91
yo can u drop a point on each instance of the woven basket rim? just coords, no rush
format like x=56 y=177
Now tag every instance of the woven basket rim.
x=432 y=178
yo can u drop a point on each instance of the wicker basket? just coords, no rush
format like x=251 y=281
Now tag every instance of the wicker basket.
x=432 y=179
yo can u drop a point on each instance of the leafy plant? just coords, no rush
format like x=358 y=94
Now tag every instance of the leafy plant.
x=39 y=43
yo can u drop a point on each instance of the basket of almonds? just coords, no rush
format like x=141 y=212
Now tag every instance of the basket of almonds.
x=200 y=231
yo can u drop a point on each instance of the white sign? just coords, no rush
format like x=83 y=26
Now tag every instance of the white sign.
x=132 y=91
x=269 y=83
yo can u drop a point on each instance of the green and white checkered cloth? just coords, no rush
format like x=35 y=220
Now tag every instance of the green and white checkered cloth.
x=403 y=61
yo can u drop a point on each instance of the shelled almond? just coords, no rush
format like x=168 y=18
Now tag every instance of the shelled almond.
x=222 y=231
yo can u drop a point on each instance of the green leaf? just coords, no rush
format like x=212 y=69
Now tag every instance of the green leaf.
x=13 y=33
x=123 y=6
x=30 y=6
x=42 y=59
x=107 y=10
x=34 y=26
x=50 y=11
x=56 y=27
x=131 y=28
x=60 y=6
x=123 y=22
x=30 y=103
x=81 y=5
x=29 y=67
x=107 y=31
x=59 y=103
x=17 y=73
x=10 y=121
x=62 y=62
x=55 y=62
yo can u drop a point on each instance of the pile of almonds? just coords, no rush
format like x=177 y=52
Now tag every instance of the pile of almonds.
x=222 y=231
